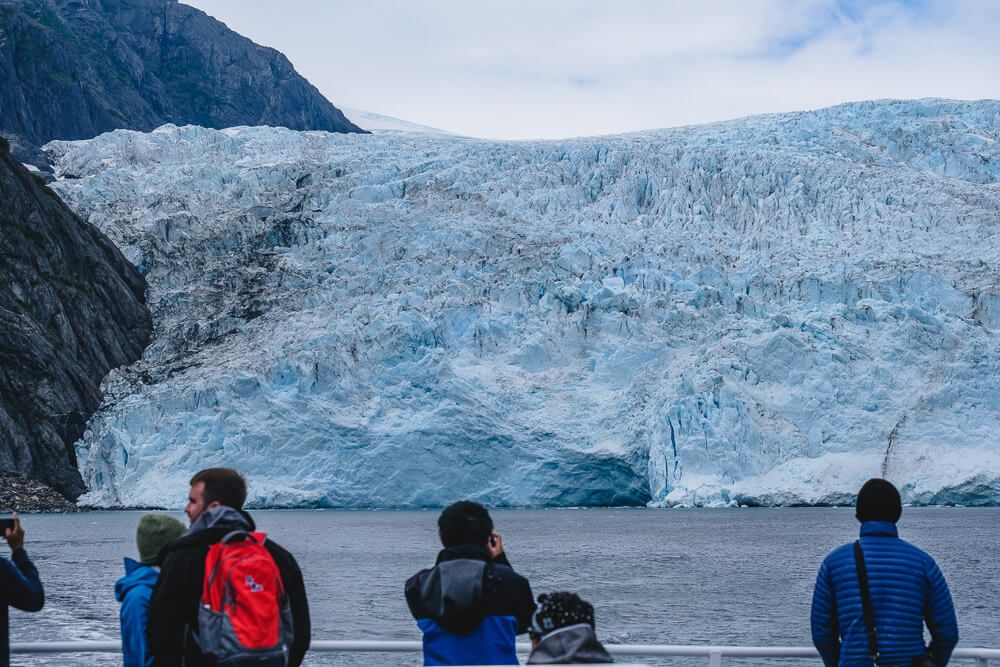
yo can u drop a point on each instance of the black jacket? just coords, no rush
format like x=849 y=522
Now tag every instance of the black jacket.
x=173 y=608
x=458 y=605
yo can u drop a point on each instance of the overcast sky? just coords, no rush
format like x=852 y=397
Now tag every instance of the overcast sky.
x=558 y=68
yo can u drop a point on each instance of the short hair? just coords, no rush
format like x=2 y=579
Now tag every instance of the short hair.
x=465 y=522
x=878 y=500
x=224 y=485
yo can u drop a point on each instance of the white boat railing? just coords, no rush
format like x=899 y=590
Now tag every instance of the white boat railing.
x=981 y=657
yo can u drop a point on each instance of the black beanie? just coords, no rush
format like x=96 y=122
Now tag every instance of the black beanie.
x=559 y=610
x=878 y=500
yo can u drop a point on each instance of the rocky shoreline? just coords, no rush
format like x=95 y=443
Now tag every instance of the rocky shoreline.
x=18 y=494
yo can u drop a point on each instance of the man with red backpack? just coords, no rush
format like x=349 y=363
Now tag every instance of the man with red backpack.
x=225 y=591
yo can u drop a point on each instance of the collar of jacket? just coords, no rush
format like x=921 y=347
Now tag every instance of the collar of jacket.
x=210 y=527
x=469 y=551
x=879 y=529
x=219 y=516
x=131 y=565
x=136 y=574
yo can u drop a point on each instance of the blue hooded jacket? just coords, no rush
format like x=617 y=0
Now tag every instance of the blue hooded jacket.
x=20 y=588
x=133 y=592
x=907 y=590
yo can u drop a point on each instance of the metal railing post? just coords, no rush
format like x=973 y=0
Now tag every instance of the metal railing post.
x=982 y=662
x=715 y=659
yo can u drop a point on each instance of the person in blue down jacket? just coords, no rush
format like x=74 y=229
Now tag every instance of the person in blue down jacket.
x=20 y=586
x=133 y=590
x=907 y=591
x=471 y=604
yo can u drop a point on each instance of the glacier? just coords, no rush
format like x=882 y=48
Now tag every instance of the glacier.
x=765 y=311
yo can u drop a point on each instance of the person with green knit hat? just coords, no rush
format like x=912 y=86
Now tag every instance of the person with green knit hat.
x=133 y=590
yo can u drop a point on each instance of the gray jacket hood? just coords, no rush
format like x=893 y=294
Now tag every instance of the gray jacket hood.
x=569 y=645
x=219 y=516
x=452 y=592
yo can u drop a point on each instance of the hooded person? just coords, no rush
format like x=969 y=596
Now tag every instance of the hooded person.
x=215 y=508
x=563 y=632
x=873 y=597
x=133 y=590
x=471 y=604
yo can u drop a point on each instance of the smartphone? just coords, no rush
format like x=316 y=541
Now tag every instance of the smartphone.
x=6 y=521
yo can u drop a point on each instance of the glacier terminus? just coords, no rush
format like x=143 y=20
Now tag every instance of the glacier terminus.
x=765 y=311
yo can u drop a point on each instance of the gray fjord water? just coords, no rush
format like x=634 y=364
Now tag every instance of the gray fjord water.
x=697 y=576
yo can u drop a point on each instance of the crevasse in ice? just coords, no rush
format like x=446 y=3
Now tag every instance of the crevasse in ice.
x=764 y=311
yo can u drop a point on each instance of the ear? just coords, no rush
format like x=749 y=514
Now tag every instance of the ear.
x=214 y=503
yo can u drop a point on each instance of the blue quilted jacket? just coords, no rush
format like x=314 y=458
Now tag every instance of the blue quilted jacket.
x=907 y=590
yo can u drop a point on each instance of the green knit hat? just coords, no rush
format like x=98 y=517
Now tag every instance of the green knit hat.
x=153 y=533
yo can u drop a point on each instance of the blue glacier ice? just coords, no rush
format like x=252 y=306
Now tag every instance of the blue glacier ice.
x=764 y=311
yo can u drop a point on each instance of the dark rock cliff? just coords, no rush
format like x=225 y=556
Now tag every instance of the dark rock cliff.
x=73 y=69
x=71 y=309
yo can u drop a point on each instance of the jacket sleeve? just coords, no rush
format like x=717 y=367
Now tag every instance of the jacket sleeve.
x=174 y=599
x=412 y=592
x=525 y=603
x=939 y=614
x=20 y=586
x=295 y=588
x=132 y=617
x=823 y=619
x=525 y=608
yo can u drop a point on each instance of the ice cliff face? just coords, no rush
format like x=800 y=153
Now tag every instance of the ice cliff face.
x=764 y=311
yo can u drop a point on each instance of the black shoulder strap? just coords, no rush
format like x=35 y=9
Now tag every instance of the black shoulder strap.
x=232 y=536
x=866 y=601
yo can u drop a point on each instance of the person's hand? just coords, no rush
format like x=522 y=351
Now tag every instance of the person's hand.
x=15 y=535
x=495 y=545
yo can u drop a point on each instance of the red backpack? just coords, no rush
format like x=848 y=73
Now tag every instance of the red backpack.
x=245 y=617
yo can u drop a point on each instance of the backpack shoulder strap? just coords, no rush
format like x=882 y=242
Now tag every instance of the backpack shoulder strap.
x=866 y=601
x=233 y=535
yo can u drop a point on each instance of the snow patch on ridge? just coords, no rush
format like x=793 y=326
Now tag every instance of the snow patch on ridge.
x=376 y=122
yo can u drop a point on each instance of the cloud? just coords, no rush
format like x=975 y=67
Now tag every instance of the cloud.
x=520 y=69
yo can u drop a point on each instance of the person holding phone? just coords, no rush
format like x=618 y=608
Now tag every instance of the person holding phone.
x=20 y=586
x=471 y=604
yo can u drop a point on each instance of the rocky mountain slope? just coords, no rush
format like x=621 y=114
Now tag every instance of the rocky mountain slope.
x=18 y=494
x=72 y=69
x=71 y=308
x=764 y=311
